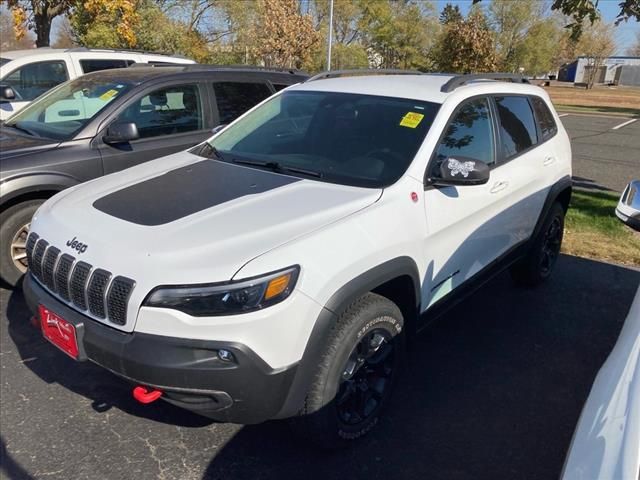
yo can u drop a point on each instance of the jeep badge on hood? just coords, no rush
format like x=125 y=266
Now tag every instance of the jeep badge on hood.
x=76 y=245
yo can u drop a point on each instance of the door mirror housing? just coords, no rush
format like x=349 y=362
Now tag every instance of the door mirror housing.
x=121 y=132
x=462 y=171
x=628 y=209
x=7 y=94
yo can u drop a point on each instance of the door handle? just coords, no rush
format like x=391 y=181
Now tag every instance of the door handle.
x=549 y=160
x=499 y=186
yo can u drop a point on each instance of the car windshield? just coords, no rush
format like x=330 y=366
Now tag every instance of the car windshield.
x=4 y=61
x=66 y=109
x=352 y=139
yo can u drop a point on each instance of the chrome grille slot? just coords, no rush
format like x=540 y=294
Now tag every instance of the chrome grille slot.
x=38 y=254
x=118 y=299
x=48 y=265
x=96 y=292
x=78 y=284
x=62 y=276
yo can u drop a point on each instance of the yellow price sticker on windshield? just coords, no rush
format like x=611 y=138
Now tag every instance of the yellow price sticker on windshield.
x=411 y=119
x=108 y=94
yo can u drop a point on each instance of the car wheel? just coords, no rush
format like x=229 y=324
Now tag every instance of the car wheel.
x=538 y=265
x=356 y=374
x=14 y=229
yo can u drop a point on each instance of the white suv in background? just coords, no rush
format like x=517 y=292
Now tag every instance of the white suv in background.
x=275 y=270
x=30 y=73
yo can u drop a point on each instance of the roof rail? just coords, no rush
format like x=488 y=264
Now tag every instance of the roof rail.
x=460 y=80
x=204 y=66
x=361 y=71
x=123 y=50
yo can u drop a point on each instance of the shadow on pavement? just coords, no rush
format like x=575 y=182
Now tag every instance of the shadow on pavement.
x=494 y=390
x=104 y=389
x=589 y=184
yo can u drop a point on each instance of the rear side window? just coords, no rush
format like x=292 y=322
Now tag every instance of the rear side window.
x=546 y=122
x=32 y=80
x=517 y=125
x=279 y=86
x=470 y=133
x=93 y=65
x=235 y=98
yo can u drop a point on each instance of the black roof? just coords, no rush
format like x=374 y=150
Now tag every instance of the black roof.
x=141 y=73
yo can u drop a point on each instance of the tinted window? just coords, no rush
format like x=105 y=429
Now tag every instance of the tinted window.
x=92 y=65
x=545 y=118
x=517 y=125
x=166 y=111
x=235 y=98
x=279 y=86
x=32 y=80
x=345 y=138
x=470 y=134
x=4 y=61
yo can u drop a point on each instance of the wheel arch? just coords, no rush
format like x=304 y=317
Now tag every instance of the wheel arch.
x=397 y=279
x=31 y=187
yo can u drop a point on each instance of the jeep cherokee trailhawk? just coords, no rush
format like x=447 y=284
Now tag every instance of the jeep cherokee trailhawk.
x=276 y=270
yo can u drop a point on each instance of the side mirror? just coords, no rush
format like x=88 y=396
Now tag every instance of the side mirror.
x=628 y=209
x=121 y=132
x=219 y=128
x=6 y=93
x=462 y=171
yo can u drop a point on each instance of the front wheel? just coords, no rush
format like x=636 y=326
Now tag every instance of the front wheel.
x=356 y=375
x=537 y=266
x=14 y=229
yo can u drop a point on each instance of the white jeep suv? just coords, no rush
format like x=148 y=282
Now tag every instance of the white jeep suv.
x=275 y=270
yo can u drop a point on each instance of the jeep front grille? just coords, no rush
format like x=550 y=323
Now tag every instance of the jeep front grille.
x=77 y=283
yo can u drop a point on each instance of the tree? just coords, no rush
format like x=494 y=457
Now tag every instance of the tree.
x=634 y=50
x=596 y=43
x=539 y=50
x=466 y=46
x=450 y=14
x=8 y=40
x=36 y=15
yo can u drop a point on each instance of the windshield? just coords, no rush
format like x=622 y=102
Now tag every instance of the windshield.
x=4 y=61
x=66 y=109
x=353 y=139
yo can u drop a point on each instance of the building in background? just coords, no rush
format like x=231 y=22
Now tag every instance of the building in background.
x=614 y=70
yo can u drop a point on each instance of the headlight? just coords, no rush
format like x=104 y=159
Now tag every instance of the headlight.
x=228 y=298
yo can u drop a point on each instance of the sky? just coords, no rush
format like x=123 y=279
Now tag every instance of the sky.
x=625 y=32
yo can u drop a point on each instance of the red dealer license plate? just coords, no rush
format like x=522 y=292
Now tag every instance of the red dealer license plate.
x=59 y=332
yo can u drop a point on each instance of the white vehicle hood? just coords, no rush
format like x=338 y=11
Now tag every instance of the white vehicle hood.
x=183 y=219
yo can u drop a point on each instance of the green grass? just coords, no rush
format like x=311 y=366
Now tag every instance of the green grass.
x=623 y=111
x=593 y=230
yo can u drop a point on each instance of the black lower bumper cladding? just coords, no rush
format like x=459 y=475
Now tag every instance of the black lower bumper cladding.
x=242 y=388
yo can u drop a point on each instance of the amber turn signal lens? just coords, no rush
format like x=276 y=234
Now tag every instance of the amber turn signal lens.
x=277 y=286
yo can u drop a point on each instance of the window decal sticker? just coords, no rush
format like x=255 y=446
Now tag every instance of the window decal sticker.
x=411 y=119
x=458 y=167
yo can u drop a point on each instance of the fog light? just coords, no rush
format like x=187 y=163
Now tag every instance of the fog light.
x=225 y=355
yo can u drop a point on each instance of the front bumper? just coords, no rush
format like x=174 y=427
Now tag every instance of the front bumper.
x=189 y=372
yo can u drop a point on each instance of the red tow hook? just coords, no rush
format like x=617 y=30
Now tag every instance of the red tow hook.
x=146 y=395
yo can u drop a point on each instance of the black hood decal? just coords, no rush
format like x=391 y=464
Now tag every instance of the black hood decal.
x=187 y=190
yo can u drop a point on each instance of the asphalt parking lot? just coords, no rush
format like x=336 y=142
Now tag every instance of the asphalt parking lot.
x=493 y=390
x=605 y=150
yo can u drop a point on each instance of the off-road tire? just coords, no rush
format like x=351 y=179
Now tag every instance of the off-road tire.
x=320 y=420
x=536 y=267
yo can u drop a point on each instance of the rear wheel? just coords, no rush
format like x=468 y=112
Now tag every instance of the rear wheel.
x=538 y=265
x=356 y=374
x=14 y=229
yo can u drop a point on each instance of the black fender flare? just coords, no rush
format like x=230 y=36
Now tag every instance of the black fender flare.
x=337 y=304
x=557 y=189
x=15 y=187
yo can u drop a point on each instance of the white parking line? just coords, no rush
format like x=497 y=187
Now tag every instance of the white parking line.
x=628 y=122
x=563 y=115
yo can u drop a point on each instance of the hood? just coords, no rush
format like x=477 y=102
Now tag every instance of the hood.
x=185 y=220
x=16 y=144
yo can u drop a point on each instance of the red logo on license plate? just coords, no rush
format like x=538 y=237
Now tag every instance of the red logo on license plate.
x=58 y=331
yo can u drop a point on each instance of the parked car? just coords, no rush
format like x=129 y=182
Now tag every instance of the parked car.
x=275 y=270
x=606 y=443
x=27 y=74
x=107 y=121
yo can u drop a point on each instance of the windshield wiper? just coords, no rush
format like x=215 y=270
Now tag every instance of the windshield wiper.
x=22 y=129
x=278 y=167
